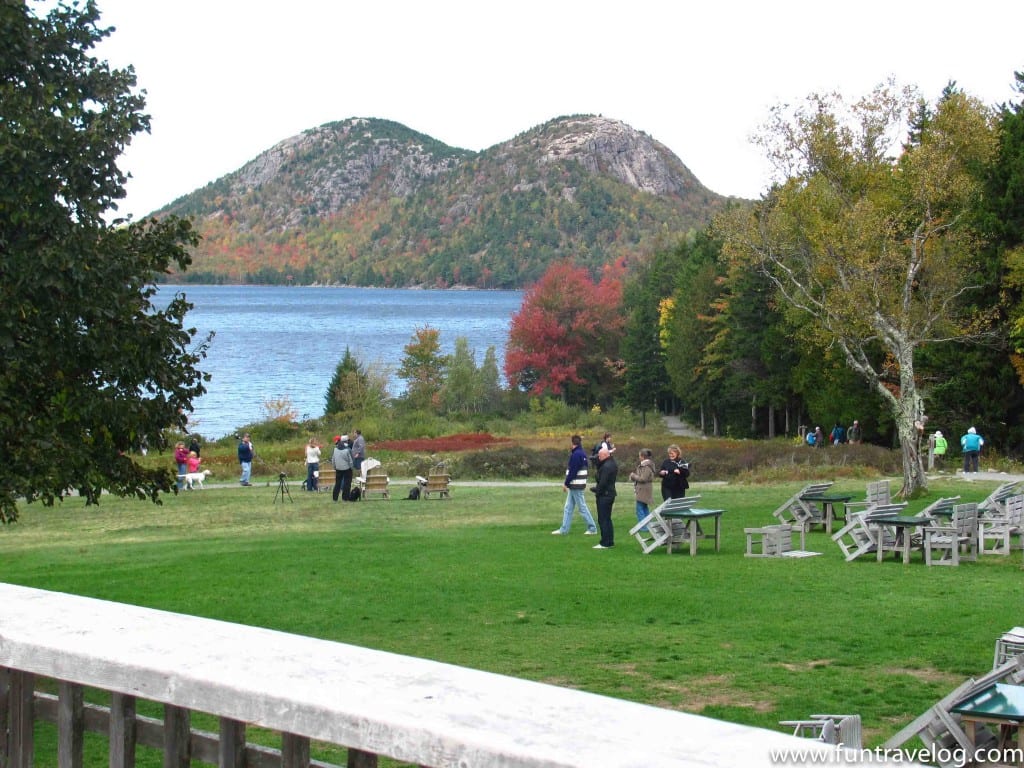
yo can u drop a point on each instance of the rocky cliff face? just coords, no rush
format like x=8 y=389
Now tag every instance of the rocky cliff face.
x=401 y=206
x=610 y=147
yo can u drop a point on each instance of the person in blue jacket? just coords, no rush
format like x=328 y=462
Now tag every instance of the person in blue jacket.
x=574 y=486
x=971 y=444
x=245 y=455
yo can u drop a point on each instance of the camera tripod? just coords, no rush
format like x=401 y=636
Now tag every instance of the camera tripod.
x=282 y=489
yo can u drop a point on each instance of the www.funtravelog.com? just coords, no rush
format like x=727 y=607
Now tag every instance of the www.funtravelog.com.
x=841 y=755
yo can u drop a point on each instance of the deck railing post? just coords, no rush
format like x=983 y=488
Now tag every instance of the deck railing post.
x=177 y=737
x=359 y=759
x=231 y=747
x=70 y=725
x=122 y=731
x=21 y=746
x=5 y=692
x=294 y=751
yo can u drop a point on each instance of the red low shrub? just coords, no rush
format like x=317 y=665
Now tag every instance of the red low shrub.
x=445 y=444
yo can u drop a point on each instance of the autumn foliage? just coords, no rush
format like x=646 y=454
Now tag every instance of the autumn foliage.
x=564 y=340
x=448 y=443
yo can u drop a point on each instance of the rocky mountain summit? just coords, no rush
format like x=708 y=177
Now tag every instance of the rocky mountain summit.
x=370 y=202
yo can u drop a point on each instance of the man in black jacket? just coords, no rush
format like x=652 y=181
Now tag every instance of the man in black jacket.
x=607 y=472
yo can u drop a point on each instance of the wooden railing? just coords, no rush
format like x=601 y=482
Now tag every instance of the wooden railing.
x=371 y=703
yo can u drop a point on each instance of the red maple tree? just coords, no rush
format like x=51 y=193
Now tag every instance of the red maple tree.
x=564 y=340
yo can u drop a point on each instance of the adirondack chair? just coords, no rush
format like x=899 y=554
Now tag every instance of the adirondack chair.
x=877 y=493
x=1008 y=646
x=796 y=511
x=858 y=537
x=438 y=481
x=830 y=729
x=773 y=540
x=948 y=541
x=995 y=502
x=941 y=731
x=325 y=480
x=654 y=530
x=937 y=507
x=373 y=479
x=1001 y=528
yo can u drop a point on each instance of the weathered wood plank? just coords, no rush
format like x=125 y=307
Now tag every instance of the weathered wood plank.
x=70 y=725
x=122 y=731
x=413 y=710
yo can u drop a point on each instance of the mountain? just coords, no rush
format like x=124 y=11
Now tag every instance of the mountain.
x=371 y=202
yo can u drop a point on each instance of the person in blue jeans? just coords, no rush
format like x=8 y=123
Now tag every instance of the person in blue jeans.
x=643 y=484
x=574 y=486
x=245 y=455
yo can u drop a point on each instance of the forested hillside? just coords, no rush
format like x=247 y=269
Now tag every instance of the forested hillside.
x=370 y=202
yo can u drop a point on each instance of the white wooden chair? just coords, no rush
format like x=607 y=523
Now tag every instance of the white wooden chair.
x=1008 y=646
x=950 y=541
x=1001 y=528
x=878 y=492
x=796 y=511
x=941 y=731
x=858 y=537
x=944 y=503
x=995 y=503
x=773 y=540
x=830 y=729
x=654 y=530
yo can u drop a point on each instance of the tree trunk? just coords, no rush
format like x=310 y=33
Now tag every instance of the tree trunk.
x=908 y=410
x=914 y=478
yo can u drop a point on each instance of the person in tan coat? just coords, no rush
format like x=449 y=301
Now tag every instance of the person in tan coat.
x=643 y=483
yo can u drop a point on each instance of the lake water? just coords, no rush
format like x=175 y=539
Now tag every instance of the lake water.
x=276 y=342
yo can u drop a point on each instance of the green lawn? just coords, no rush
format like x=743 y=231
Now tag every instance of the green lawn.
x=478 y=580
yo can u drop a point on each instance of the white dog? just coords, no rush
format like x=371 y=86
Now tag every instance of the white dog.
x=195 y=479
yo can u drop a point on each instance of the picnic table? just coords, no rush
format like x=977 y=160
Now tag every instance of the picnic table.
x=1000 y=705
x=902 y=526
x=690 y=529
x=828 y=510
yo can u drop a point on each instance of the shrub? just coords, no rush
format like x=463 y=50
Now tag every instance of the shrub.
x=513 y=462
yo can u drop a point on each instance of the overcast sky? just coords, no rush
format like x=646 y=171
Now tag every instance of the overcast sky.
x=227 y=79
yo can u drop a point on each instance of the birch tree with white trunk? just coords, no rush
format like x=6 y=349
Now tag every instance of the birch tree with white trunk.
x=868 y=232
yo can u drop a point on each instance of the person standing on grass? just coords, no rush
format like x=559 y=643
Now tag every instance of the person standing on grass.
x=181 y=459
x=643 y=483
x=941 y=446
x=674 y=472
x=245 y=457
x=971 y=444
x=358 y=452
x=607 y=473
x=312 y=464
x=574 y=486
x=341 y=459
x=606 y=442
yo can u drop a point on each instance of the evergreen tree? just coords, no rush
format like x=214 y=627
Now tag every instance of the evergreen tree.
x=646 y=382
x=347 y=386
x=462 y=392
x=489 y=377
